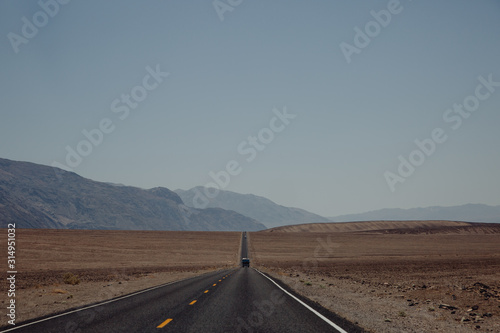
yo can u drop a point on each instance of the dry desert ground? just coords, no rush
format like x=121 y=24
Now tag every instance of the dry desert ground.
x=107 y=264
x=432 y=276
x=422 y=276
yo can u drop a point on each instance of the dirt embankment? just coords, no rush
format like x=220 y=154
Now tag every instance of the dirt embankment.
x=400 y=227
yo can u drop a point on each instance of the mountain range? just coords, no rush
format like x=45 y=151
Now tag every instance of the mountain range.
x=37 y=196
x=258 y=208
x=467 y=212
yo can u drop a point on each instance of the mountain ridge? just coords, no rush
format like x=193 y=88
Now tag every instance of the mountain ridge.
x=39 y=196
x=467 y=212
x=259 y=208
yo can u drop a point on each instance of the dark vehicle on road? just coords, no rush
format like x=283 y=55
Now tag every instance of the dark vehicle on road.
x=245 y=262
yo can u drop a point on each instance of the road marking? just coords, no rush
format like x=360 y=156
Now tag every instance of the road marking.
x=165 y=323
x=328 y=321
x=102 y=303
x=206 y=291
x=192 y=302
x=214 y=284
x=220 y=280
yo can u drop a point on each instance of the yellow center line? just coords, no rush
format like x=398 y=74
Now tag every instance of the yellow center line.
x=206 y=291
x=165 y=323
x=220 y=280
x=192 y=302
x=214 y=284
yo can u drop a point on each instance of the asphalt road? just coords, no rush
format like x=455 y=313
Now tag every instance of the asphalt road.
x=237 y=300
x=244 y=247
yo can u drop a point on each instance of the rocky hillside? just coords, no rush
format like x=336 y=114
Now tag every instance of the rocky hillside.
x=37 y=196
x=258 y=208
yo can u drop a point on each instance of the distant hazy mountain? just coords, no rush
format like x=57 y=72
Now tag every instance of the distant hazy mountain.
x=469 y=213
x=258 y=208
x=33 y=196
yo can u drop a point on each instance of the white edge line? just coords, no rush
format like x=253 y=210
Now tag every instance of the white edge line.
x=338 y=328
x=99 y=304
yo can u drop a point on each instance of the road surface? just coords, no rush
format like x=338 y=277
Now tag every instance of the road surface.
x=234 y=300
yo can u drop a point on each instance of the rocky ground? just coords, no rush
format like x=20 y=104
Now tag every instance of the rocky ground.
x=392 y=283
x=406 y=297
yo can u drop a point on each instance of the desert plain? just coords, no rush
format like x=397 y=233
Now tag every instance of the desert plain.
x=418 y=276
x=103 y=264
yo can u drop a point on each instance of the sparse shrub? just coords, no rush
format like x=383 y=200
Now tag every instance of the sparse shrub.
x=431 y=309
x=308 y=283
x=402 y=314
x=70 y=278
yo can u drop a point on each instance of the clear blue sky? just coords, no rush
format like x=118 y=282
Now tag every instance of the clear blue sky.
x=353 y=120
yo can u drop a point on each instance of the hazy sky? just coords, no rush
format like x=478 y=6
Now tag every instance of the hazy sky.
x=354 y=83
